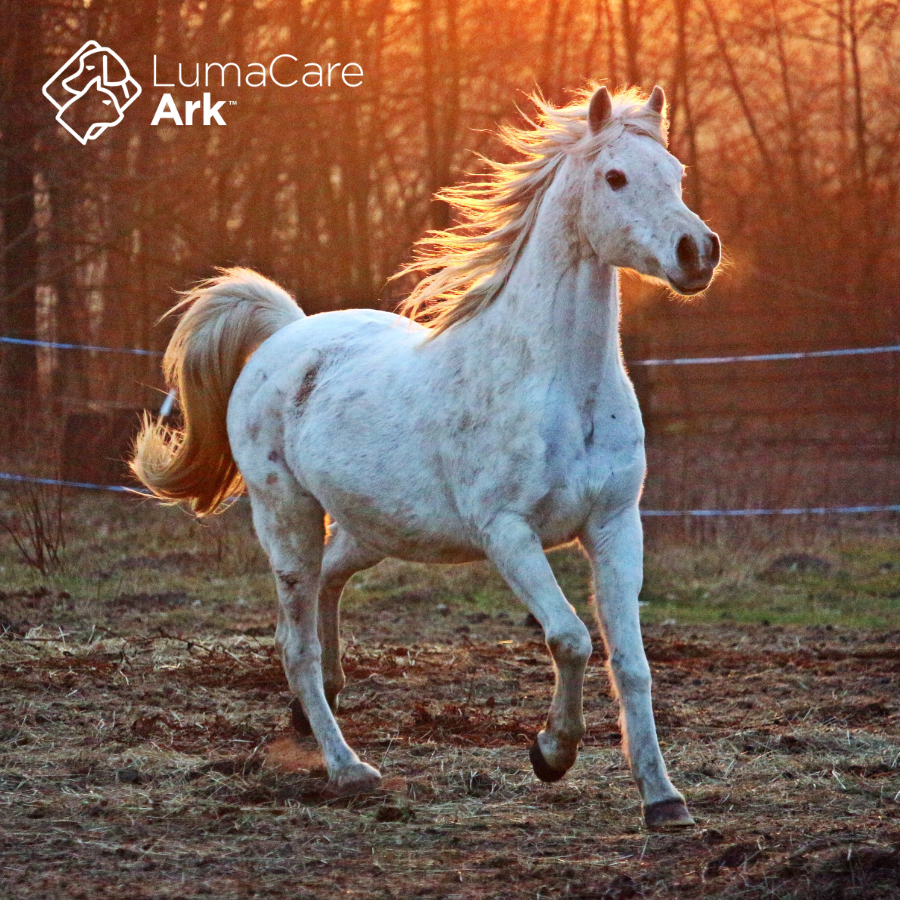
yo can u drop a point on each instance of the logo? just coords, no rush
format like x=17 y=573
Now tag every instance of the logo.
x=91 y=91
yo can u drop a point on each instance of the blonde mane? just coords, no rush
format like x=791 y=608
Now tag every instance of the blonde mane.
x=469 y=263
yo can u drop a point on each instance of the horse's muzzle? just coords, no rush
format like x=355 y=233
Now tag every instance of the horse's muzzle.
x=697 y=264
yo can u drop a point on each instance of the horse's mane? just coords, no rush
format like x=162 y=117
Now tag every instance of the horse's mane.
x=469 y=263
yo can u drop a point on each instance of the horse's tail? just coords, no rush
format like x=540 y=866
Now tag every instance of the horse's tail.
x=225 y=320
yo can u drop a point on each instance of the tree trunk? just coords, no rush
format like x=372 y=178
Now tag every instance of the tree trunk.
x=20 y=248
x=859 y=118
x=631 y=34
x=685 y=107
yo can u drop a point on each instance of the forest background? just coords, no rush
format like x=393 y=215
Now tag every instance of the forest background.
x=786 y=113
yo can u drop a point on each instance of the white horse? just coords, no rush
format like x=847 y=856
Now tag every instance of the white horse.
x=506 y=427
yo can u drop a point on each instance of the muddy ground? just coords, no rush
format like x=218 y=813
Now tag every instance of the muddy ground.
x=145 y=749
x=150 y=766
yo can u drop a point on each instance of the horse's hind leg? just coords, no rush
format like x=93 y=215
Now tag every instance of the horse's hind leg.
x=516 y=551
x=342 y=559
x=290 y=525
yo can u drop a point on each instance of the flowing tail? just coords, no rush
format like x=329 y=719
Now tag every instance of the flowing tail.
x=225 y=320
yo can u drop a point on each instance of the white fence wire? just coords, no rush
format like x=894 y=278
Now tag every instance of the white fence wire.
x=168 y=404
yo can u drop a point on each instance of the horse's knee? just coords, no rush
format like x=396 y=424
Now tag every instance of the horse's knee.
x=300 y=584
x=571 y=645
x=630 y=676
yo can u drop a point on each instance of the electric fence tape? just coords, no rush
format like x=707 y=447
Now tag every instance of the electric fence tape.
x=649 y=513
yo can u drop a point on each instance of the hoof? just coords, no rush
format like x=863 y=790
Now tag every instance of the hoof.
x=666 y=814
x=299 y=721
x=541 y=767
x=359 y=778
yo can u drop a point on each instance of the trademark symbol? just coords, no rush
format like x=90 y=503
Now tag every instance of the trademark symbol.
x=232 y=102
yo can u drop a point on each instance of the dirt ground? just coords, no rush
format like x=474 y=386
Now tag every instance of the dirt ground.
x=146 y=753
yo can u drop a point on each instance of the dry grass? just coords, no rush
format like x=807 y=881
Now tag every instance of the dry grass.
x=146 y=753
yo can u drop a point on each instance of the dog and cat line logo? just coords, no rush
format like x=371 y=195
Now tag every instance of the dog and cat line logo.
x=92 y=73
x=93 y=88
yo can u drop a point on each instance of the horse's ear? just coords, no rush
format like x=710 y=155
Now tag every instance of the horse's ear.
x=600 y=109
x=657 y=101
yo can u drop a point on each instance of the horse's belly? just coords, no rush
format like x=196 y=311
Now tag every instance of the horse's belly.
x=436 y=539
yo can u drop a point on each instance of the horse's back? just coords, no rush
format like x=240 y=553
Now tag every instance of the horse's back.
x=333 y=333
x=322 y=342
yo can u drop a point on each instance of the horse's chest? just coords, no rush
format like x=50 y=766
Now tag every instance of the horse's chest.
x=559 y=516
x=583 y=481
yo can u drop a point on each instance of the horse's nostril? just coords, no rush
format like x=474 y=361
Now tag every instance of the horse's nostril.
x=715 y=249
x=688 y=254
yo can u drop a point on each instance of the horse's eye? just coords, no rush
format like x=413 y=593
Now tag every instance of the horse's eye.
x=616 y=179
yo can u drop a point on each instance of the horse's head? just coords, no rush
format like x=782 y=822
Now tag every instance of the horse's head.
x=632 y=212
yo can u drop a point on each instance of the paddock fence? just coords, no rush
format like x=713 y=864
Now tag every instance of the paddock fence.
x=784 y=433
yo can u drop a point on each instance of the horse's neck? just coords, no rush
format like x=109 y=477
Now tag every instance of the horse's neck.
x=560 y=306
x=571 y=321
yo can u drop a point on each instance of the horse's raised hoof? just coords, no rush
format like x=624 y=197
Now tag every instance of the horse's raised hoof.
x=358 y=778
x=299 y=722
x=667 y=814
x=541 y=767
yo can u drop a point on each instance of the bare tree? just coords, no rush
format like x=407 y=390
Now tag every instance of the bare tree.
x=22 y=71
x=631 y=15
x=681 y=104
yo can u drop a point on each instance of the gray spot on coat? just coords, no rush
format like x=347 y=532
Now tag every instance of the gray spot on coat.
x=307 y=386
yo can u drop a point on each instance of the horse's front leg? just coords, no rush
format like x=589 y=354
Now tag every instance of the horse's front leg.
x=616 y=548
x=516 y=551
